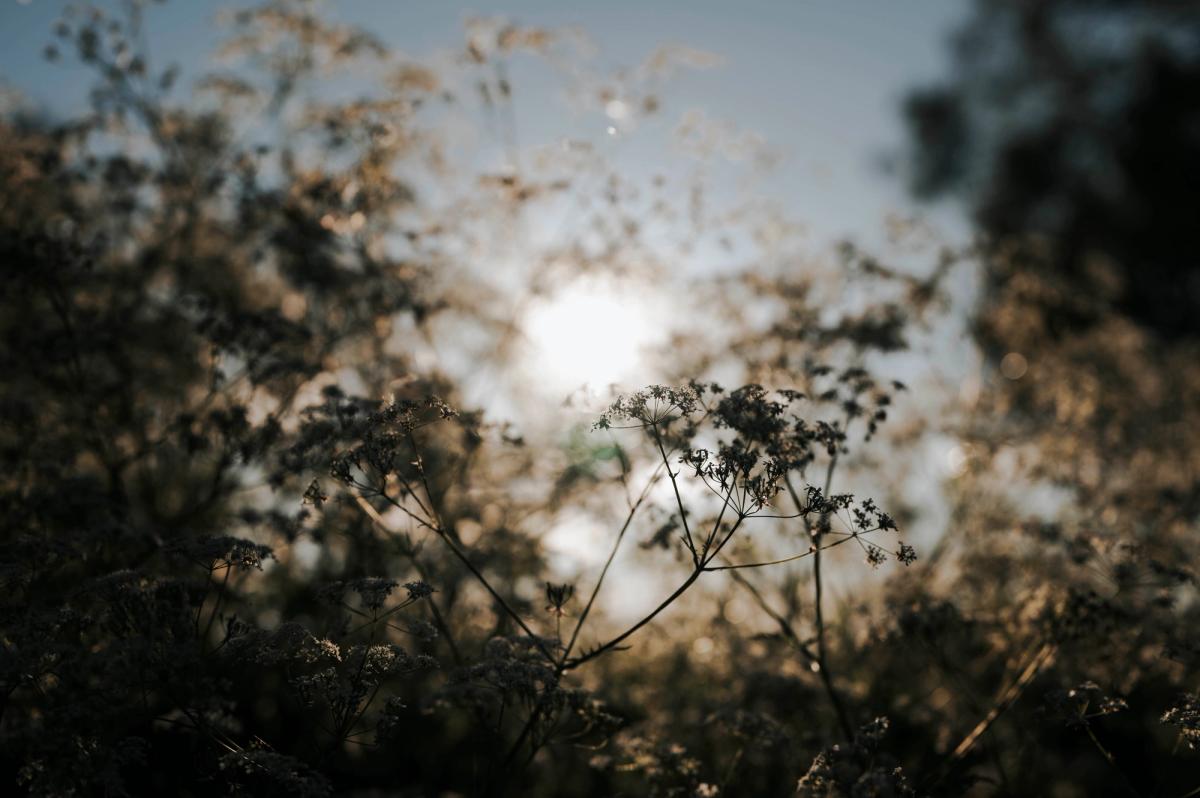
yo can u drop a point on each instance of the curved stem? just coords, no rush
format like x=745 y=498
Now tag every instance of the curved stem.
x=616 y=641
x=691 y=544
x=784 y=625
x=737 y=566
x=462 y=557
x=668 y=601
x=583 y=616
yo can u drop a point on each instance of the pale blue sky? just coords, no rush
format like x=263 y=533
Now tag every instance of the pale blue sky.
x=820 y=80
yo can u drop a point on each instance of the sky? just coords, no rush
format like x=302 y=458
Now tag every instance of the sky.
x=820 y=80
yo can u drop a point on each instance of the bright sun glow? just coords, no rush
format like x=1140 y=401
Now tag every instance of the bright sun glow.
x=592 y=333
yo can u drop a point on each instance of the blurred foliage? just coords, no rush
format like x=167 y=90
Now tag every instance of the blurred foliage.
x=1075 y=123
x=257 y=541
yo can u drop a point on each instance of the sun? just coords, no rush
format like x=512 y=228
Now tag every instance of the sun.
x=593 y=332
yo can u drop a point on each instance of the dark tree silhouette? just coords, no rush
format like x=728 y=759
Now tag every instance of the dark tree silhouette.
x=1078 y=122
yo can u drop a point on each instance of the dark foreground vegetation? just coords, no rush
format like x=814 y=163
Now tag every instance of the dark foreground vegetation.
x=255 y=540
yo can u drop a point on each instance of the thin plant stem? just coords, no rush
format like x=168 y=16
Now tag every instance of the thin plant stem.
x=462 y=557
x=785 y=626
x=1110 y=758
x=762 y=564
x=616 y=641
x=668 y=601
x=216 y=605
x=587 y=608
x=1007 y=698
x=678 y=498
x=822 y=655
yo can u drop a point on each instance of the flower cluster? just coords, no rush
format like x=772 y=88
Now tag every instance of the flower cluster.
x=665 y=770
x=739 y=475
x=259 y=771
x=1185 y=715
x=225 y=551
x=511 y=666
x=787 y=438
x=656 y=405
x=859 y=768
x=382 y=440
x=1078 y=705
x=289 y=644
x=374 y=591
